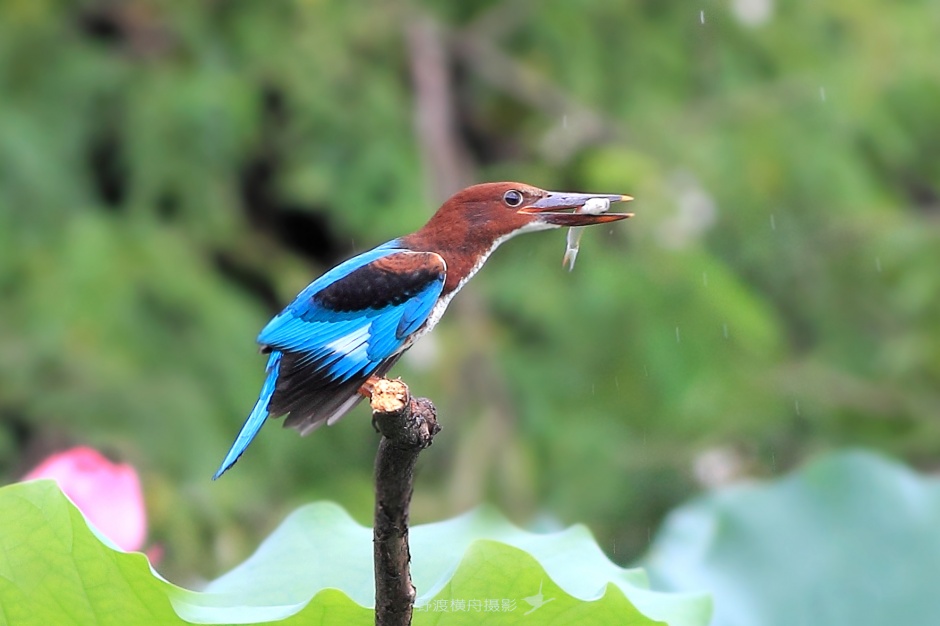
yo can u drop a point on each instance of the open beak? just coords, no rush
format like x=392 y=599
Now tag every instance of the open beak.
x=548 y=209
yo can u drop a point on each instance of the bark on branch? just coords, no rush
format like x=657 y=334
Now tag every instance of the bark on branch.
x=408 y=426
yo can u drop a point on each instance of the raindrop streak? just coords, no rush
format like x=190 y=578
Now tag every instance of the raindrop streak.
x=564 y=121
x=773 y=222
x=677 y=335
x=617 y=382
x=878 y=264
x=705 y=278
x=701 y=16
x=646 y=372
x=822 y=93
x=724 y=330
x=796 y=405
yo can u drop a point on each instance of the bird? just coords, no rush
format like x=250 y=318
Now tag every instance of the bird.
x=355 y=321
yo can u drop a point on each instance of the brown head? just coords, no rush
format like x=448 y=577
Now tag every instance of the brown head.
x=473 y=222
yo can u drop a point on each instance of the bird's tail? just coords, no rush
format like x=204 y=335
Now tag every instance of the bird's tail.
x=256 y=419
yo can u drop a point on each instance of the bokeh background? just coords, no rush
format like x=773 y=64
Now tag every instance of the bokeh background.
x=172 y=173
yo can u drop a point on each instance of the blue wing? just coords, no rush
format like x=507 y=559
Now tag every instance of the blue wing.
x=351 y=323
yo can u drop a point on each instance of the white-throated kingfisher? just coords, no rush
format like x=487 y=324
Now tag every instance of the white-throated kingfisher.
x=357 y=319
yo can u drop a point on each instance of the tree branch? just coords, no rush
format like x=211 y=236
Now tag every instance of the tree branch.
x=435 y=109
x=407 y=425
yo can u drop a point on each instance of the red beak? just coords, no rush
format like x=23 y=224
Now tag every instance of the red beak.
x=548 y=209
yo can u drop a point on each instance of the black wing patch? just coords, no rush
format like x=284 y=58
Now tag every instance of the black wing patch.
x=388 y=281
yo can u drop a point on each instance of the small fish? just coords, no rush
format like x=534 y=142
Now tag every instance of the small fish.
x=594 y=206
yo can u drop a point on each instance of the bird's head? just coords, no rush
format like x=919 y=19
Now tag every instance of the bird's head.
x=490 y=213
x=473 y=222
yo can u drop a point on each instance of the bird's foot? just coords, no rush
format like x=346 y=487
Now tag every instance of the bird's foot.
x=366 y=388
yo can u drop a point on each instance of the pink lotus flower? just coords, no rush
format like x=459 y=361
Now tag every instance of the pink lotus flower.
x=108 y=494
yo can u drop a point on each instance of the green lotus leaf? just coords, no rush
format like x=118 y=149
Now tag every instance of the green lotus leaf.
x=852 y=539
x=316 y=569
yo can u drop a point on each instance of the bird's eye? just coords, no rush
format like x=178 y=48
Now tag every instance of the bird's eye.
x=513 y=198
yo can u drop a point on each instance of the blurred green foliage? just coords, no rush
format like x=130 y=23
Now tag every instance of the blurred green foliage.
x=172 y=173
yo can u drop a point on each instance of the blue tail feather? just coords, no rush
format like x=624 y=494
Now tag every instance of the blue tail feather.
x=257 y=417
